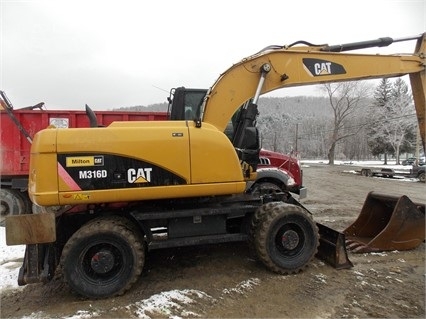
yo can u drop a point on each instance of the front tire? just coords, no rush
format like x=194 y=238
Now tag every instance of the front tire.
x=286 y=239
x=103 y=258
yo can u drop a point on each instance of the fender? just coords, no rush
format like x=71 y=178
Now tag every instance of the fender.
x=276 y=173
x=279 y=177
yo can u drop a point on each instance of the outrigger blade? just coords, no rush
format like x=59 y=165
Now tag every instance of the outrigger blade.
x=387 y=223
x=332 y=248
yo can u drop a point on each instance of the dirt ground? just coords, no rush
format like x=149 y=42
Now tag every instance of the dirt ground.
x=231 y=284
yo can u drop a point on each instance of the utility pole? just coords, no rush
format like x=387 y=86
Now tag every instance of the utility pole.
x=275 y=142
x=418 y=146
x=297 y=137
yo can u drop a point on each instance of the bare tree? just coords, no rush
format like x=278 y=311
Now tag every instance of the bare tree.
x=356 y=146
x=275 y=130
x=312 y=136
x=345 y=98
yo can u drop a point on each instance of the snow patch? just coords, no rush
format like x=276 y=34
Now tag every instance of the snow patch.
x=243 y=286
x=168 y=304
x=11 y=258
x=321 y=278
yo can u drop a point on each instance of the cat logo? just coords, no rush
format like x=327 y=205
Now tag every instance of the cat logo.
x=140 y=175
x=318 y=67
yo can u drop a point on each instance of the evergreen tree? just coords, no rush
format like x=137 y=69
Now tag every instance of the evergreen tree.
x=377 y=139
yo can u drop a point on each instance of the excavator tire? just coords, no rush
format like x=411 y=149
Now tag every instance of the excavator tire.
x=286 y=238
x=104 y=258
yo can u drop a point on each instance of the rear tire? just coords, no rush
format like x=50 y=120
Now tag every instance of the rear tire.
x=286 y=238
x=103 y=258
x=422 y=177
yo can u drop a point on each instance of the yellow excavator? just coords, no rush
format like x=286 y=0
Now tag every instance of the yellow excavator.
x=107 y=195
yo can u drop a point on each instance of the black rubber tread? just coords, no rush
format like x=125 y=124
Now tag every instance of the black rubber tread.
x=129 y=224
x=276 y=217
x=24 y=202
x=108 y=229
x=259 y=213
x=422 y=177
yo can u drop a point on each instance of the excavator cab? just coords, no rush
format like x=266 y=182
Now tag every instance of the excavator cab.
x=185 y=104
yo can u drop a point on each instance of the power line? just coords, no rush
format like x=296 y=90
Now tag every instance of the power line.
x=358 y=125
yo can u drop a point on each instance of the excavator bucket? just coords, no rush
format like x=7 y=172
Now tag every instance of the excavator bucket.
x=387 y=223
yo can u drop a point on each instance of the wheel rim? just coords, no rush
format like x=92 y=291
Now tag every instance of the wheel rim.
x=103 y=262
x=289 y=239
x=4 y=208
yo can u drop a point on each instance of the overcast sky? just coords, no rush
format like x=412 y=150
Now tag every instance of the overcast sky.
x=123 y=53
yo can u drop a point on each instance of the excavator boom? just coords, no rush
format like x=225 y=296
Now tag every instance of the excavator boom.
x=306 y=65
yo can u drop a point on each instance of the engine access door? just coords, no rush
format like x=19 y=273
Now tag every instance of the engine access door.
x=124 y=161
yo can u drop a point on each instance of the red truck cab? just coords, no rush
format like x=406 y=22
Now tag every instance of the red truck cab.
x=289 y=173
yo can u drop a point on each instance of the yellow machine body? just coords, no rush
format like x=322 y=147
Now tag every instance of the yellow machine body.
x=129 y=161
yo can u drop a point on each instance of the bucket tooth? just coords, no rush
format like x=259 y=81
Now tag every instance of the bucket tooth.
x=387 y=223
